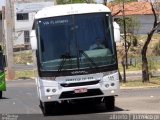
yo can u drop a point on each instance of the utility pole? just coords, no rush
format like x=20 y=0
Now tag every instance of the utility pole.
x=125 y=45
x=9 y=38
x=3 y=29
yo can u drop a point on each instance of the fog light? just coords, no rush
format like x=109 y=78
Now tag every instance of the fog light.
x=106 y=85
x=49 y=97
x=53 y=90
x=48 y=90
x=112 y=92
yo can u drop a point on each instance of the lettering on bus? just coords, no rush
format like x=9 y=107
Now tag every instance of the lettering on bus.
x=54 y=22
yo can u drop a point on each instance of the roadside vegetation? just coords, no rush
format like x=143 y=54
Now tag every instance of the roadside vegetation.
x=155 y=82
x=31 y=74
x=23 y=57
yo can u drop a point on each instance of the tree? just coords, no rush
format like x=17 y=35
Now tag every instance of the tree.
x=128 y=25
x=132 y=25
x=120 y=1
x=123 y=60
x=145 y=71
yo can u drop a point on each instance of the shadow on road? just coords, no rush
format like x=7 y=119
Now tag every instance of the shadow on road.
x=79 y=108
x=3 y=98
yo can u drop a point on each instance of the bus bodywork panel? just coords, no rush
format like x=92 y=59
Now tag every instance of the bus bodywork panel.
x=70 y=9
x=2 y=81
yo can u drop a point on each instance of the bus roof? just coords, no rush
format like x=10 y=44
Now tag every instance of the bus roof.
x=68 y=9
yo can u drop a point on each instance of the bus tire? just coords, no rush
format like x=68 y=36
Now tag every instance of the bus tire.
x=0 y=94
x=40 y=104
x=46 y=108
x=109 y=102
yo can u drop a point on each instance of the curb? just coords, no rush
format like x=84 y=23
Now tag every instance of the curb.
x=140 y=87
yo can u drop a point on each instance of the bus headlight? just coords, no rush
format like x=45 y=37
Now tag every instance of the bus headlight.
x=48 y=90
x=112 y=84
x=106 y=85
x=53 y=90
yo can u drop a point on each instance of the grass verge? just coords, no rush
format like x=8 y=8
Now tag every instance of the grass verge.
x=154 y=82
x=25 y=74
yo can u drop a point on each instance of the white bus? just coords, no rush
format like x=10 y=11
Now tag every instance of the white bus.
x=76 y=54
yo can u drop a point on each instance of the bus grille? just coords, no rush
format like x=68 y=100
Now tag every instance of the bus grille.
x=80 y=84
x=72 y=94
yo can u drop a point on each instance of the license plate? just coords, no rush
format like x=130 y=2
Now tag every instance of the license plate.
x=81 y=90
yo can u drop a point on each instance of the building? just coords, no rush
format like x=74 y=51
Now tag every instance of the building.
x=141 y=10
x=23 y=20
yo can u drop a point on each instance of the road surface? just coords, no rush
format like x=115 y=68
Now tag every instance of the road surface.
x=21 y=98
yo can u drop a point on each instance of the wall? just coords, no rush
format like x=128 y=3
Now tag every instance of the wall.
x=145 y=23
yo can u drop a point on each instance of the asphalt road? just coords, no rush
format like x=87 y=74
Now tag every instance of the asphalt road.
x=21 y=99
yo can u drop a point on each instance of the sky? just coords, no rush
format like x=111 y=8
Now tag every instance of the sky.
x=2 y=2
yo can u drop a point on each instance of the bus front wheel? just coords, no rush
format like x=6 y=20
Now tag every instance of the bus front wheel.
x=109 y=102
x=0 y=94
x=47 y=107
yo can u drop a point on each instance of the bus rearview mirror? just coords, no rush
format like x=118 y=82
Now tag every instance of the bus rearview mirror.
x=116 y=32
x=33 y=39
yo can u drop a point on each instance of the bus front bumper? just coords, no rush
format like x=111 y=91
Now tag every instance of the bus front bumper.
x=57 y=93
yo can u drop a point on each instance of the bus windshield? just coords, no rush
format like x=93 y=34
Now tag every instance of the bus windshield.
x=75 y=41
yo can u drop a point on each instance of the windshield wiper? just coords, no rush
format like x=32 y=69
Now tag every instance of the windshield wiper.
x=64 y=58
x=90 y=59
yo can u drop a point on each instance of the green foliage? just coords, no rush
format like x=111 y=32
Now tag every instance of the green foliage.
x=152 y=65
x=25 y=74
x=155 y=82
x=132 y=24
x=23 y=57
x=121 y=1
